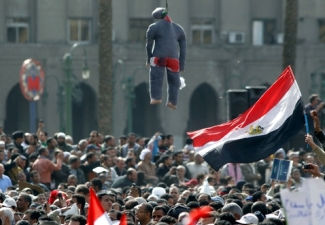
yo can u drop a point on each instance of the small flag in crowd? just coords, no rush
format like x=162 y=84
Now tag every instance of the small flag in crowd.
x=96 y=213
x=260 y=131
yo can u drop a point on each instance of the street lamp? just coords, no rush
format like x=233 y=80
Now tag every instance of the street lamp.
x=69 y=80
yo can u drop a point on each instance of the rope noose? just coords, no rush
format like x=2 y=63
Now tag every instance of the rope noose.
x=166 y=6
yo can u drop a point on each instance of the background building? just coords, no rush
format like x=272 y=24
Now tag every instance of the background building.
x=231 y=44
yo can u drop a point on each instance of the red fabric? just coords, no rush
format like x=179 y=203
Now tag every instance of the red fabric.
x=171 y=63
x=269 y=100
x=33 y=83
x=95 y=208
x=54 y=196
x=123 y=219
x=168 y=19
x=197 y=214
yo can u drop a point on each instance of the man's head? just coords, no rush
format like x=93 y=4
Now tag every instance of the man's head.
x=7 y=216
x=51 y=143
x=169 y=199
x=204 y=199
x=259 y=196
x=198 y=159
x=122 y=140
x=23 y=202
x=314 y=99
x=158 y=212
x=174 y=191
x=41 y=199
x=74 y=162
x=132 y=174
x=234 y=209
x=144 y=212
x=78 y=220
x=35 y=177
x=91 y=158
x=60 y=137
x=167 y=160
x=109 y=140
x=295 y=174
x=83 y=190
x=120 y=164
x=259 y=206
x=106 y=200
x=18 y=137
x=178 y=157
x=43 y=152
x=131 y=139
x=96 y=184
x=72 y=180
x=93 y=137
x=130 y=162
x=79 y=200
x=180 y=171
x=169 y=139
x=21 y=176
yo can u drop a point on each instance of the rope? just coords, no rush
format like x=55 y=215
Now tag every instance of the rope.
x=167 y=6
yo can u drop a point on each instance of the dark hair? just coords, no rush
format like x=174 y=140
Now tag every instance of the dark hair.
x=49 y=140
x=41 y=151
x=26 y=198
x=216 y=205
x=227 y=216
x=274 y=206
x=131 y=204
x=238 y=202
x=97 y=183
x=276 y=221
x=83 y=189
x=31 y=175
x=177 y=153
x=14 y=156
x=247 y=208
x=118 y=213
x=189 y=141
x=193 y=205
x=73 y=159
x=90 y=155
x=36 y=214
x=168 y=219
x=148 y=208
x=257 y=195
x=67 y=217
x=108 y=138
x=168 y=136
x=78 y=218
x=161 y=201
x=45 y=218
x=23 y=222
x=159 y=207
x=260 y=206
x=166 y=196
x=313 y=97
x=130 y=213
x=80 y=200
x=33 y=156
x=200 y=176
x=222 y=222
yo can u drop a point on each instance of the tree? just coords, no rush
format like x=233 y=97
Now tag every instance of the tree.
x=105 y=104
x=290 y=34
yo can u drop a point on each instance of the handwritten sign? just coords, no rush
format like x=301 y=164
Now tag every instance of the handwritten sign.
x=307 y=205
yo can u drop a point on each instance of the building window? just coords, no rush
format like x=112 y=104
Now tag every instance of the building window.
x=79 y=30
x=17 y=30
x=138 y=29
x=264 y=32
x=321 y=35
x=202 y=32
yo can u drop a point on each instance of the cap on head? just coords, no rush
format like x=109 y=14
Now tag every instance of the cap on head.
x=159 y=13
x=61 y=135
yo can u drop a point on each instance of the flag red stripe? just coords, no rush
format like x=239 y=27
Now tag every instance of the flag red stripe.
x=269 y=100
x=95 y=208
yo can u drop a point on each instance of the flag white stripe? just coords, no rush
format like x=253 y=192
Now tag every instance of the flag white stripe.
x=103 y=220
x=270 y=121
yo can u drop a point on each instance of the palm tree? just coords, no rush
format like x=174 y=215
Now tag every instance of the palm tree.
x=105 y=104
x=290 y=34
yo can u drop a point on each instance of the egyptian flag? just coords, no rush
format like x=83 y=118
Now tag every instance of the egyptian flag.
x=259 y=132
x=96 y=213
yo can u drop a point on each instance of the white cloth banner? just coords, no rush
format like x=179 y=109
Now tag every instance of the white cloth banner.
x=307 y=205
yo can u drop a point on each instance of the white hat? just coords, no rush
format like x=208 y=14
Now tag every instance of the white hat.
x=100 y=169
x=140 y=200
x=249 y=218
x=152 y=196
x=143 y=153
x=158 y=191
x=66 y=154
x=2 y=143
x=9 y=202
x=61 y=135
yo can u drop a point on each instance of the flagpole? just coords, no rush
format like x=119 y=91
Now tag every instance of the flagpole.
x=307 y=127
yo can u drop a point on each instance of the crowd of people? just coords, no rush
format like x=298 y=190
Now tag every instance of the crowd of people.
x=46 y=180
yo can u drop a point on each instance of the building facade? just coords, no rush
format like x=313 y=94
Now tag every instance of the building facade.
x=231 y=44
